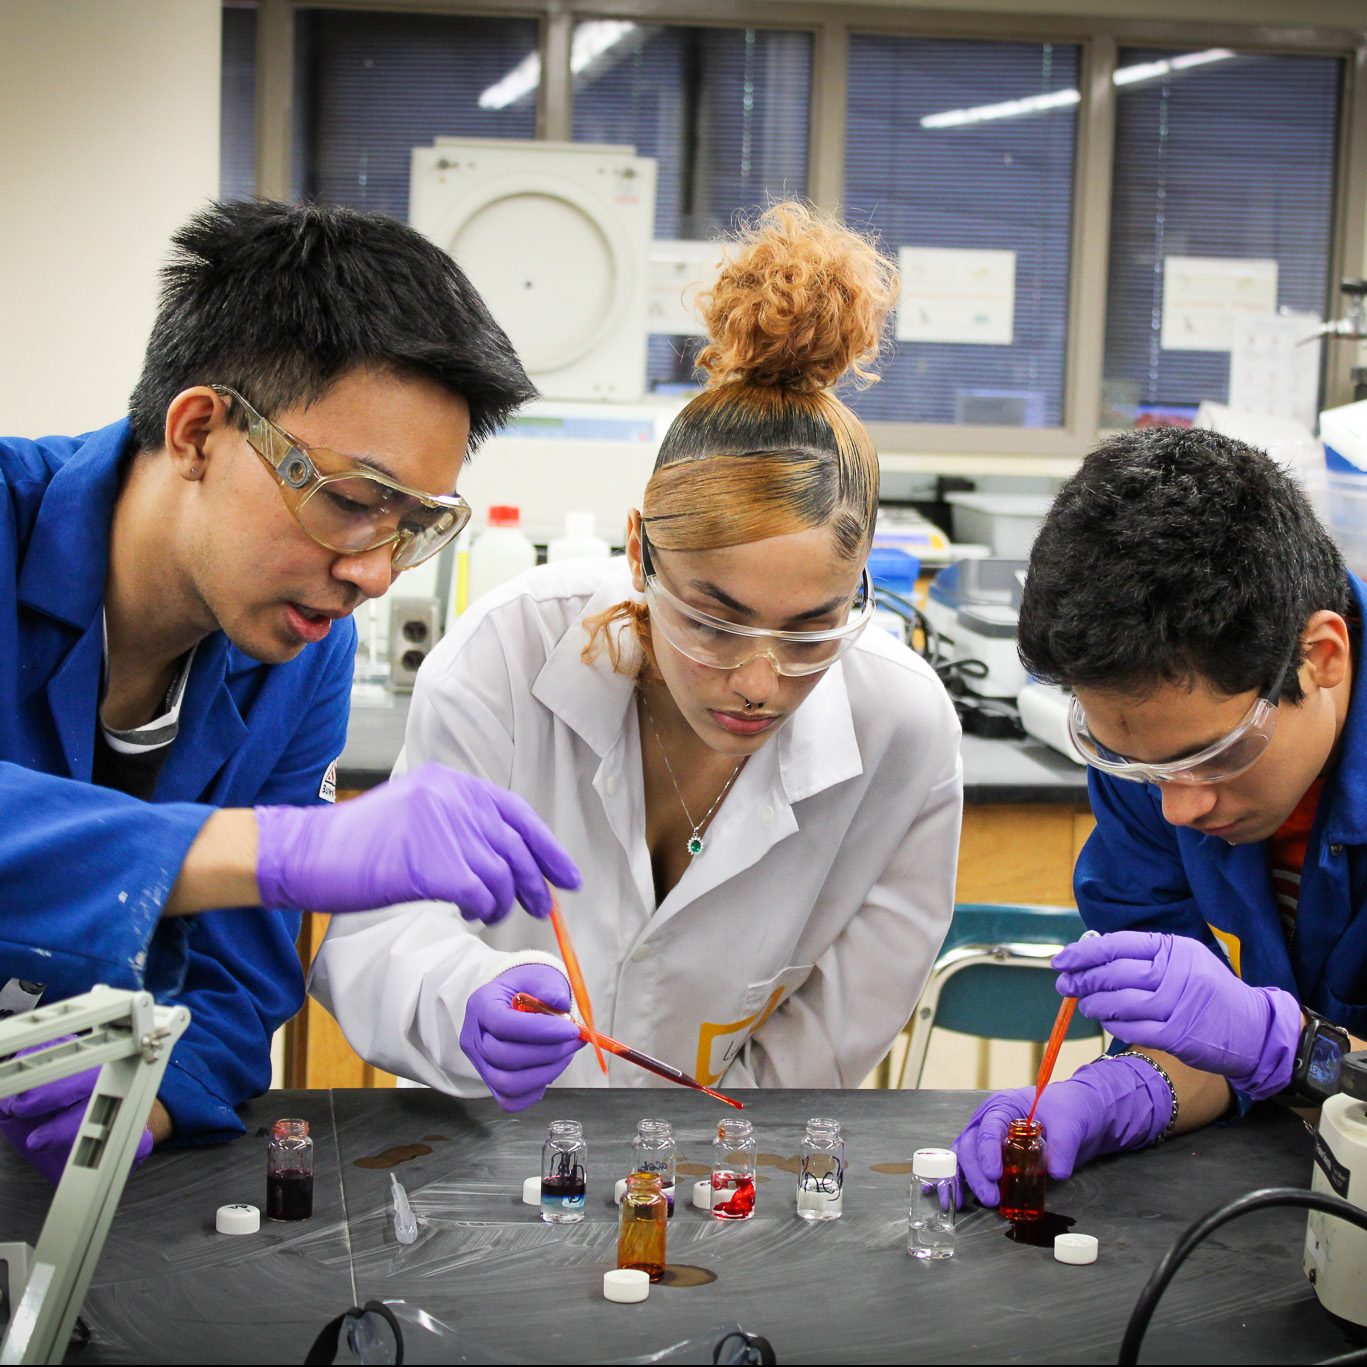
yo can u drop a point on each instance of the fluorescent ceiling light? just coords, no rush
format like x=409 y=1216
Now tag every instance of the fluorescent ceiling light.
x=591 y=41
x=1063 y=99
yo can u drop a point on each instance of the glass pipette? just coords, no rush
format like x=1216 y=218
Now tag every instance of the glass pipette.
x=524 y=1001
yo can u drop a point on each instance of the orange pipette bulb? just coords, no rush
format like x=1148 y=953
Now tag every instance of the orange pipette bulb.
x=524 y=1001
x=576 y=974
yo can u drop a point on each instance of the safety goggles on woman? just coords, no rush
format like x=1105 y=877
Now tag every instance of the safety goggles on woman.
x=1227 y=758
x=708 y=640
x=345 y=507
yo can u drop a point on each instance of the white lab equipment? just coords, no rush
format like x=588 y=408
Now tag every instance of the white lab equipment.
x=499 y=552
x=974 y=608
x=1335 y=1251
x=1043 y=711
x=556 y=237
x=1006 y=522
x=130 y=1037
x=580 y=541
x=1344 y=433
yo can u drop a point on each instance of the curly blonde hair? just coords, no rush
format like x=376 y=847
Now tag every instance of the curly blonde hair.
x=767 y=448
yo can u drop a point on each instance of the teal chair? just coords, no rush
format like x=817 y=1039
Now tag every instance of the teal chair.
x=993 y=979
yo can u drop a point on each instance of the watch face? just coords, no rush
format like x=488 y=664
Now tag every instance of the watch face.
x=1325 y=1065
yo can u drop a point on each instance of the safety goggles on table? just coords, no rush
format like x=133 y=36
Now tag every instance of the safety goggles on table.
x=708 y=640
x=1227 y=758
x=346 y=507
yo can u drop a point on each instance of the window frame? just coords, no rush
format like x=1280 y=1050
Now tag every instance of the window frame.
x=904 y=446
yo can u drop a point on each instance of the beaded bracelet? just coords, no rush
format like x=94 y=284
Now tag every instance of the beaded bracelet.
x=1163 y=1073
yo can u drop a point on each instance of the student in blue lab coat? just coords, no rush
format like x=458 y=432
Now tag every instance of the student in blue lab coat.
x=1184 y=590
x=176 y=651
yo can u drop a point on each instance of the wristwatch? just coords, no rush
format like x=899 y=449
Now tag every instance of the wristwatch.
x=1319 y=1062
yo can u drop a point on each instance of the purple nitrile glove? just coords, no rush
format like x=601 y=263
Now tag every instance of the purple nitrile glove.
x=1171 y=992
x=1107 y=1106
x=42 y=1122
x=519 y=1054
x=432 y=833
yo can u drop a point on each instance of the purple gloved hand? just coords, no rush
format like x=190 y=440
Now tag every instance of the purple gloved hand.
x=42 y=1122
x=1170 y=992
x=516 y=1053
x=1107 y=1106
x=433 y=833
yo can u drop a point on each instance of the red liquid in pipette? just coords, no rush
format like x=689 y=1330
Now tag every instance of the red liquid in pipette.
x=524 y=1001
x=1046 y=1067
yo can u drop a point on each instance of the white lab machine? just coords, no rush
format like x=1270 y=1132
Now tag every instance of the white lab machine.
x=974 y=607
x=556 y=238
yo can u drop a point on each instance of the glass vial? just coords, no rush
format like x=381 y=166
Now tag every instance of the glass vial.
x=733 y=1170
x=654 y=1150
x=289 y=1171
x=1022 y=1184
x=645 y=1222
x=930 y=1229
x=821 y=1182
x=564 y=1176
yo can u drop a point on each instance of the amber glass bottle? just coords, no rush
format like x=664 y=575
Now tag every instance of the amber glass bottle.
x=1022 y=1184
x=645 y=1213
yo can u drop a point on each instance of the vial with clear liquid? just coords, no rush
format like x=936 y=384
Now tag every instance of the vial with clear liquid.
x=821 y=1182
x=930 y=1232
x=564 y=1174
x=654 y=1150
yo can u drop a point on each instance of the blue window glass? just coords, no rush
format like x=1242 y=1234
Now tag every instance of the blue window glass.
x=969 y=145
x=724 y=112
x=237 y=104
x=372 y=86
x=1217 y=154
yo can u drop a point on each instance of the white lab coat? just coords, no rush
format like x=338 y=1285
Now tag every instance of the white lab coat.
x=792 y=950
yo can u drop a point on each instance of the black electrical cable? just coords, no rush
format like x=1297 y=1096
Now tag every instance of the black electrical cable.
x=1263 y=1199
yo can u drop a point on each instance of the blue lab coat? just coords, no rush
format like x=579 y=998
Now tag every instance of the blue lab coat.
x=1136 y=872
x=84 y=870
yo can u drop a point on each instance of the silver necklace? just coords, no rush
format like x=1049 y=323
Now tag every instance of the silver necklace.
x=695 y=839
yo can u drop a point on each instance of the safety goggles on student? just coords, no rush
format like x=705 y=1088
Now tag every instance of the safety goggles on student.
x=348 y=508
x=708 y=640
x=1227 y=758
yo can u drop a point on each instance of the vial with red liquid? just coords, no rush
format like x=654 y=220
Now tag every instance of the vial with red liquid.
x=1022 y=1184
x=644 y=1225
x=733 y=1170
x=289 y=1171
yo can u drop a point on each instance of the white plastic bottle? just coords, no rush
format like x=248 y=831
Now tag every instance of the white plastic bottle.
x=499 y=552
x=580 y=541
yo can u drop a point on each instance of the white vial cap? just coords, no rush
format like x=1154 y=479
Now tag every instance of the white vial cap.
x=238 y=1219
x=934 y=1165
x=702 y=1194
x=531 y=1192
x=1079 y=1249
x=580 y=526
x=626 y=1285
x=620 y=1190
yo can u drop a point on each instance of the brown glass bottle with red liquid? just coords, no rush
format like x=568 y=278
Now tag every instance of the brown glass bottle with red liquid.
x=1023 y=1173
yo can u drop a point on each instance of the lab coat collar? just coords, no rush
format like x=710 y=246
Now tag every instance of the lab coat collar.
x=815 y=749
x=68 y=550
x=1347 y=807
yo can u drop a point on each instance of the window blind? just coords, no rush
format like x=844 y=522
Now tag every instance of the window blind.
x=999 y=176
x=1232 y=157
x=237 y=105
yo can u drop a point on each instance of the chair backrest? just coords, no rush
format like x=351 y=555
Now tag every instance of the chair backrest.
x=1013 y=997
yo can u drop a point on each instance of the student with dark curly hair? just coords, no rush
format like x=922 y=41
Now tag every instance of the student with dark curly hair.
x=763 y=795
x=1185 y=592
x=176 y=651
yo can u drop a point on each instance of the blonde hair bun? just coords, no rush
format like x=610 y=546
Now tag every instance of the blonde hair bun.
x=800 y=300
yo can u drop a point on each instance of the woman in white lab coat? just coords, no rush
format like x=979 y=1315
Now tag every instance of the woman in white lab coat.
x=762 y=796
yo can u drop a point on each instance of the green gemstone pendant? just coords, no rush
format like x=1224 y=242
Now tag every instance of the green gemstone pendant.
x=695 y=844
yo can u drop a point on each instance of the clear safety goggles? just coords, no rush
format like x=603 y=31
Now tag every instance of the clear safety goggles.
x=345 y=507
x=1227 y=758
x=708 y=640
